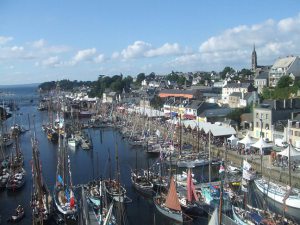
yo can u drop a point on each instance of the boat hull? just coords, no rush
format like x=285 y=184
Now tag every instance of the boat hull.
x=174 y=215
x=62 y=209
x=277 y=194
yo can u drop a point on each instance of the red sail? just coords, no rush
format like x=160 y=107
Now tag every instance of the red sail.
x=172 y=201
x=191 y=193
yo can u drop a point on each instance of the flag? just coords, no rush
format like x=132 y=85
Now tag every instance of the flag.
x=67 y=195
x=60 y=180
x=72 y=200
x=246 y=165
x=222 y=169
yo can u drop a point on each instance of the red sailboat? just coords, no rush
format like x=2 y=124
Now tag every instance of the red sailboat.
x=169 y=205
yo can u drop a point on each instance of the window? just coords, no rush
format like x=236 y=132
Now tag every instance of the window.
x=267 y=126
x=256 y=115
x=266 y=116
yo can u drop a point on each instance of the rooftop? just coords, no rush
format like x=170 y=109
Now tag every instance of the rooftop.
x=284 y=62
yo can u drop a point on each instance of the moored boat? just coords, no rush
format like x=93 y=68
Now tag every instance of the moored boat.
x=169 y=205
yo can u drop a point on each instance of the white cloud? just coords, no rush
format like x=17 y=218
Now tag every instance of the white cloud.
x=233 y=47
x=84 y=55
x=17 y=48
x=166 y=49
x=137 y=49
x=99 y=59
x=39 y=43
x=141 y=49
x=115 y=55
x=4 y=39
x=51 y=62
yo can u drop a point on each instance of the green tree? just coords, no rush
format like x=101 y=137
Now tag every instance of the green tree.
x=284 y=81
x=226 y=70
x=140 y=77
x=157 y=102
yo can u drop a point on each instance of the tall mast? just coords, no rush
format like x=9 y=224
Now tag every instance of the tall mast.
x=209 y=158
x=261 y=150
x=290 y=173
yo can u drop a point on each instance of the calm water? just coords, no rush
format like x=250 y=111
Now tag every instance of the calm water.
x=86 y=165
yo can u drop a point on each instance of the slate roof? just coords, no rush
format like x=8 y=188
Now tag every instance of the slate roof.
x=220 y=112
x=262 y=75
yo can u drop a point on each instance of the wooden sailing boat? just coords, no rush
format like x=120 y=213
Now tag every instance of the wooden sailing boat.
x=113 y=187
x=169 y=205
x=16 y=178
x=141 y=182
x=41 y=199
x=188 y=201
x=282 y=194
x=64 y=197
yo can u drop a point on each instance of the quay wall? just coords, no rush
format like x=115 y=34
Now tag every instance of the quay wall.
x=274 y=173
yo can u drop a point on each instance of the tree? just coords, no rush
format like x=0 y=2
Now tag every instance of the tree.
x=246 y=72
x=157 y=102
x=284 y=81
x=140 y=77
x=226 y=70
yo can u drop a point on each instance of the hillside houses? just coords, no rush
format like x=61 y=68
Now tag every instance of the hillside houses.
x=230 y=88
x=289 y=65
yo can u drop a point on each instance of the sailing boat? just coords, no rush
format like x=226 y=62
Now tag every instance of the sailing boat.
x=214 y=219
x=16 y=178
x=213 y=193
x=63 y=190
x=169 y=205
x=140 y=180
x=97 y=206
x=191 y=195
x=282 y=194
x=250 y=215
x=41 y=200
x=113 y=187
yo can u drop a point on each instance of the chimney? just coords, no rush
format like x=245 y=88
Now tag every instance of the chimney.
x=284 y=103
x=275 y=104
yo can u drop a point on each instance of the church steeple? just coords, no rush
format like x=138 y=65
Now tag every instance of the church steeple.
x=254 y=59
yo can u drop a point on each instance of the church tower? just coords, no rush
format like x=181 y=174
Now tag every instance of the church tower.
x=254 y=59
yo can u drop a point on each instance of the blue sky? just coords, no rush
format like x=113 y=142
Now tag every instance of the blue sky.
x=51 y=40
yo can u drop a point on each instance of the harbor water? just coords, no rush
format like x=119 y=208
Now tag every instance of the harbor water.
x=86 y=164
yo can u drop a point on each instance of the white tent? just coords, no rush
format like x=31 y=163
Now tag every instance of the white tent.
x=295 y=155
x=247 y=141
x=232 y=140
x=261 y=144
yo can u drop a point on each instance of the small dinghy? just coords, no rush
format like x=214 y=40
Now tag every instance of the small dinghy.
x=18 y=216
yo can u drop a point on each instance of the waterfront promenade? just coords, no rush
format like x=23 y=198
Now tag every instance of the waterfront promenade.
x=278 y=174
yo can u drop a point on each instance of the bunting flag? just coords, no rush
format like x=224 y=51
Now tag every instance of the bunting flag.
x=222 y=169
x=72 y=200
x=67 y=195
x=60 y=180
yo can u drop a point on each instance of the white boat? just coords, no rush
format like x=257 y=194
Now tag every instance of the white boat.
x=279 y=193
x=73 y=142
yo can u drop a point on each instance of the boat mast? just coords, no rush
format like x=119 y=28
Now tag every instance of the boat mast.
x=289 y=162
x=261 y=150
x=209 y=158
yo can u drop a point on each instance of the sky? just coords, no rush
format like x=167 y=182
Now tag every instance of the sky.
x=79 y=40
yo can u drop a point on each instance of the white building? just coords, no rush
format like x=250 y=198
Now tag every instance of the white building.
x=230 y=88
x=289 y=65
